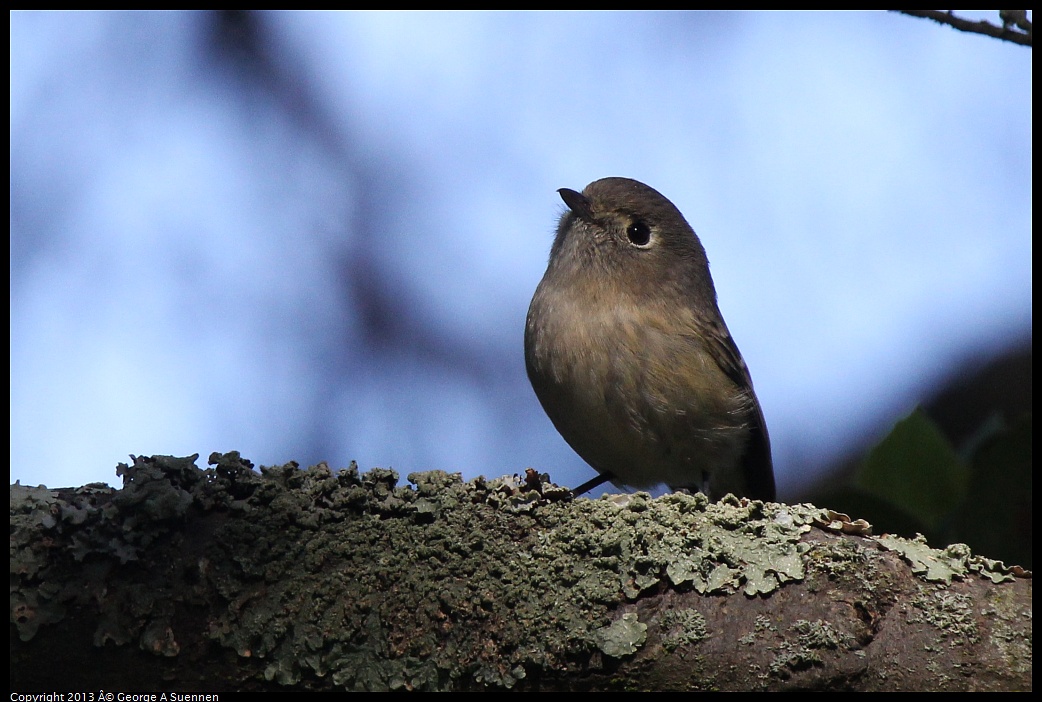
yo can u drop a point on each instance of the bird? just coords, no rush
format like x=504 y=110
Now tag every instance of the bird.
x=629 y=356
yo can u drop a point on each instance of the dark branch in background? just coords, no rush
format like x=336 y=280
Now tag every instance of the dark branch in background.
x=1016 y=27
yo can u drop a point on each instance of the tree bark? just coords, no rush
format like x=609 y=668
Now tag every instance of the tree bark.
x=231 y=579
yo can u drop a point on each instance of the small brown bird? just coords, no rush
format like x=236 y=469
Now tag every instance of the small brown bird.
x=629 y=355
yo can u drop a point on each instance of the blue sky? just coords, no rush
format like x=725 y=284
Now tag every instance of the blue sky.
x=329 y=254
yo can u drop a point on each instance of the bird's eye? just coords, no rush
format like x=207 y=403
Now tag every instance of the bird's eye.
x=639 y=233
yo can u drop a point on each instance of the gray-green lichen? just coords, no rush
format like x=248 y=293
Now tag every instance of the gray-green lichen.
x=941 y=565
x=805 y=646
x=953 y=614
x=622 y=637
x=682 y=627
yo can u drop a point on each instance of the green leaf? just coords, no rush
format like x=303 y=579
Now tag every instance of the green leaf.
x=917 y=469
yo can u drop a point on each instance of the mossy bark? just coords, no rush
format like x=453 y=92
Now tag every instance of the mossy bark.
x=232 y=579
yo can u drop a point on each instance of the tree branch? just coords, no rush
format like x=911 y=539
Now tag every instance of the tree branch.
x=1016 y=27
x=229 y=579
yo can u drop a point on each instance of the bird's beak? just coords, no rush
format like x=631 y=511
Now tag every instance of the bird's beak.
x=577 y=203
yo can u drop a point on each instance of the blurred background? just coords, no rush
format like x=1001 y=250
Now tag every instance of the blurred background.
x=314 y=236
